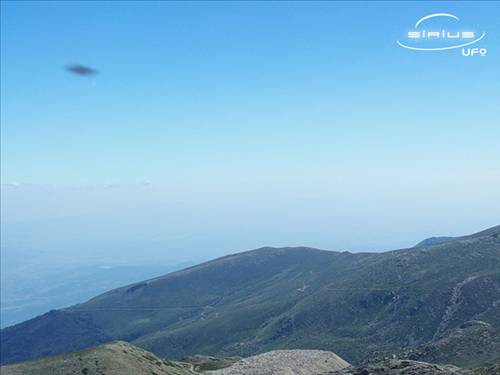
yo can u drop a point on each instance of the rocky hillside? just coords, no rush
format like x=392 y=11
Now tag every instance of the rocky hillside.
x=426 y=302
x=119 y=358
x=286 y=362
x=399 y=367
x=472 y=344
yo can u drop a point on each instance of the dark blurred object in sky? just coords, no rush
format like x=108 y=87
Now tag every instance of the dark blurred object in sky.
x=81 y=70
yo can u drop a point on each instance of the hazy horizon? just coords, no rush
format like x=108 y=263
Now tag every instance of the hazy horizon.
x=217 y=128
x=119 y=231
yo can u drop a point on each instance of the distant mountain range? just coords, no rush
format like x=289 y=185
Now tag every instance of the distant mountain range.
x=438 y=301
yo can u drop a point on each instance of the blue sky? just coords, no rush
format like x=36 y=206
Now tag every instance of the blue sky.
x=256 y=123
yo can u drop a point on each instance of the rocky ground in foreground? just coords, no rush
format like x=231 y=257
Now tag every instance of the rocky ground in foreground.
x=286 y=362
x=406 y=367
x=401 y=367
x=121 y=358
x=118 y=358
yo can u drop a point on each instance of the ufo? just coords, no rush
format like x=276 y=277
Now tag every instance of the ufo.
x=81 y=70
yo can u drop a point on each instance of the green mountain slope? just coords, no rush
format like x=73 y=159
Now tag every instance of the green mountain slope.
x=472 y=344
x=361 y=306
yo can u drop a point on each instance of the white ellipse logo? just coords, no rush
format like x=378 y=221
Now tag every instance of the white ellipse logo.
x=439 y=32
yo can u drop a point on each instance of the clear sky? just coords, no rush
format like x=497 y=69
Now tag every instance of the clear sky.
x=216 y=127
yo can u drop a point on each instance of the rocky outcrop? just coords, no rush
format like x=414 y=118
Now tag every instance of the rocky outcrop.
x=401 y=367
x=286 y=362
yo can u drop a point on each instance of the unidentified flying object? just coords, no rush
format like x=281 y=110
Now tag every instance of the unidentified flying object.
x=81 y=70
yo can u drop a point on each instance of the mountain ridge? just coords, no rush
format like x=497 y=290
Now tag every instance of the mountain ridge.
x=360 y=305
x=438 y=240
